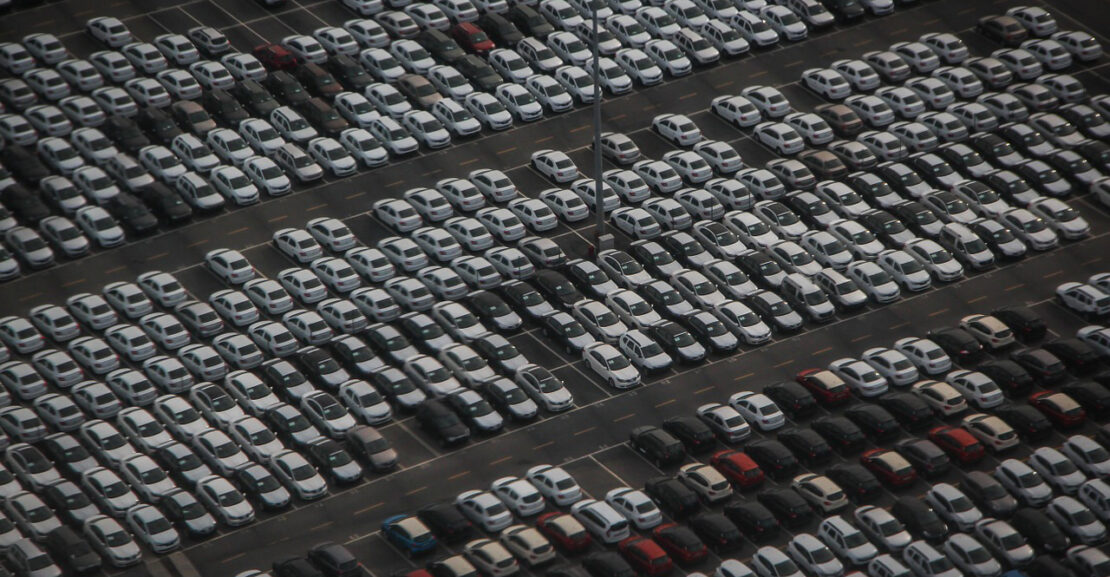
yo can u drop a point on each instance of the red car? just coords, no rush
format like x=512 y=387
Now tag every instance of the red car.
x=1064 y=411
x=565 y=531
x=958 y=443
x=738 y=467
x=275 y=57
x=646 y=556
x=889 y=466
x=472 y=38
x=680 y=543
x=829 y=389
x=415 y=573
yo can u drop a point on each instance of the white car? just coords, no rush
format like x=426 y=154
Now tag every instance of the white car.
x=708 y=483
x=860 y=376
x=639 y=66
x=484 y=509
x=555 y=484
x=519 y=495
x=758 y=409
x=978 y=388
x=927 y=355
x=991 y=431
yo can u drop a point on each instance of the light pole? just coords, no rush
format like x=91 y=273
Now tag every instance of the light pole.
x=602 y=240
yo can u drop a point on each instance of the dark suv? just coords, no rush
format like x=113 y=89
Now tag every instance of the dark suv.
x=657 y=446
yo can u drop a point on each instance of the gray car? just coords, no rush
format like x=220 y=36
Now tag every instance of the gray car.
x=366 y=442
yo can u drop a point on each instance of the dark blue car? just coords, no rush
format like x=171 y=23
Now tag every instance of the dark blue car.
x=409 y=534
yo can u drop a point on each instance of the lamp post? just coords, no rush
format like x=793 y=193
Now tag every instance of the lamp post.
x=602 y=240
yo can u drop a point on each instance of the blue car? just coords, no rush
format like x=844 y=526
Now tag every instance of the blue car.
x=409 y=534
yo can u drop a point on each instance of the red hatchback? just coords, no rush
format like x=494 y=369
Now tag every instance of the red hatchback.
x=825 y=385
x=680 y=542
x=1064 y=411
x=646 y=556
x=275 y=57
x=738 y=467
x=958 y=443
x=889 y=466
x=472 y=38
x=565 y=531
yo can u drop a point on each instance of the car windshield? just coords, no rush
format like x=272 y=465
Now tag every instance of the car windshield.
x=617 y=363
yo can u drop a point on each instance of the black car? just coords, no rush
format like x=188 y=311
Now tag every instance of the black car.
x=157 y=123
x=988 y=494
x=66 y=452
x=885 y=225
x=289 y=424
x=709 y=330
x=858 y=483
x=913 y=413
x=530 y=22
x=936 y=171
x=479 y=73
x=554 y=286
x=960 y=156
x=255 y=98
x=67 y=500
x=794 y=399
x=295 y=567
x=493 y=309
x=787 y=505
x=1080 y=357
x=1040 y=531
x=500 y=29
x=441 y=45
x=958 y=343
x=187 y=514
x=900 y=176
x=565 y=331
x=24 y=164
x=421 y=329
x=917 y=215
x=71 y=550
x=1096 y=152
x=1009 y=376
x=694 y=434
x=286 y=88
x=845 y=10
x=166 y=203
x=1102 y=435
x=673 y=496
x=874 y=421
x=870 y=186
x=524 y=299
x=130 y=212
x=505 y=396
x=652 y=256
x=677 y=342
x=319 y=366
x=999 y=239
x=806 y=445
x=992 y=146
x=388 y=342
x=1026 y=324
x=716 y=531
x=1092 y=395
x=280 y=375
x=26 y=205
x=1007 y=184
x=350 y=73
x=1045 y=566
x=657 y=446
x=756 y=521
x=773 y=457
x=318 y=81
x=587 y=277
x=1045 y=367
x=124 y=131
x=329 y=456
x=841 y=433
x=445 y=520
x=1029 y=423
x=334 y=560
x=438 y=419
x=498 y=352
x=925 y=456
x=920 y=519
x=607 y=564
x=685 y=247
x=809 y=207
x=255 y=481
x=224 y=107
x=759 y=266
x=353 y=354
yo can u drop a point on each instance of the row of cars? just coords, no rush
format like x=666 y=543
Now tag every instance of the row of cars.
x=327 y=82
x=1023 y=514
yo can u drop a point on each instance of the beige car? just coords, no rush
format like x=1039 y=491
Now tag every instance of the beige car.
x=419 y=90
x=821 y=492
x=527 y=544
x=989 y=331
x=943 y=398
